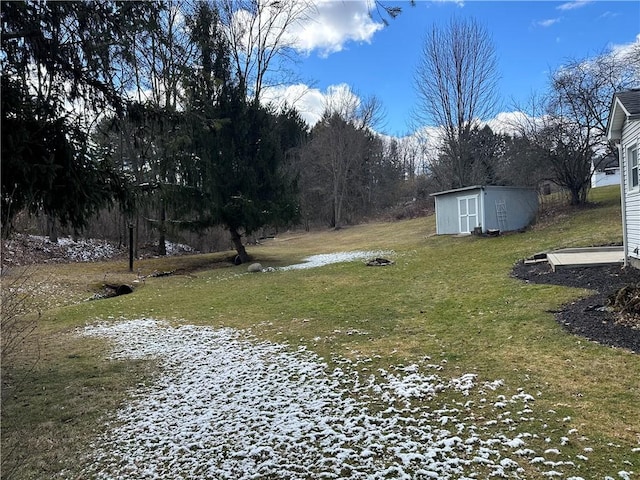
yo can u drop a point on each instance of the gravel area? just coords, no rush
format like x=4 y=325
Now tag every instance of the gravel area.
x=590 y=316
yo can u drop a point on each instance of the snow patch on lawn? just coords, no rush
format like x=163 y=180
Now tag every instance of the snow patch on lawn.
x=36 y=247
x=329 y=258
x=228 y=406
x=25 y=249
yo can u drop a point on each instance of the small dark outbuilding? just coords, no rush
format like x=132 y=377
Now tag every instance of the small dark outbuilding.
x=486 y=208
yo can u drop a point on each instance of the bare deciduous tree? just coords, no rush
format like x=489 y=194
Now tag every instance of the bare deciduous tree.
x=18 y=323
x=259 y=36
x=262 y=39
x=150 y=143
x=341 y=149
x=456 y=85
x=564 y=131
x=581 y=93
x=384 y=10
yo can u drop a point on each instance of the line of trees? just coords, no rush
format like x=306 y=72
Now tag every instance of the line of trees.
x=346 y=170
x=559 y=137
x=153 y=109
x=141 y=104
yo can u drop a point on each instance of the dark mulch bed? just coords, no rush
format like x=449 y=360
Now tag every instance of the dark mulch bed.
x=590 y=317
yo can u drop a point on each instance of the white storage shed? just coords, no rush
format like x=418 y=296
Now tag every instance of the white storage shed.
x=485 y=207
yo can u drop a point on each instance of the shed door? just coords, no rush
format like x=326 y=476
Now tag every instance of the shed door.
x=468 y=213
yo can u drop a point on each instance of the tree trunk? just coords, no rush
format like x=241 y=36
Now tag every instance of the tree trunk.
x=136 y=240
x=52 y=228
x=337 y=206
x=578 y=195
x=237 y=243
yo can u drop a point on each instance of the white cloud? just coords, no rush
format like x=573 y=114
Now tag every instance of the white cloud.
x=310 y=102
x=509 y=123
x=547 y=23
x=573 y=5
x=331 y=24
x=625 y=57
x=609 y=14
x=324 y=26
x=627 y=49
x=459 y=3
x=429 y=140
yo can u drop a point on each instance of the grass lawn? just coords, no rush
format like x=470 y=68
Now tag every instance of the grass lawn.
x=447 y=298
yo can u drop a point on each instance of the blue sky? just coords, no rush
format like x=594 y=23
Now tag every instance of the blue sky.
x=531 y=39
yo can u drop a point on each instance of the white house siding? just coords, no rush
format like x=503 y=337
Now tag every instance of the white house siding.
x=602 y=179
x=631 y=137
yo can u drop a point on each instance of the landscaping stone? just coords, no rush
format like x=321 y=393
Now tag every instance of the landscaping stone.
x=254 y=267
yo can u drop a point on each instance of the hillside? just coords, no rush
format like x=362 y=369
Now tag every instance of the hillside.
x=441 y=364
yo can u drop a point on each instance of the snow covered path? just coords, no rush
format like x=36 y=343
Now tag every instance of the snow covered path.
x=226 y=406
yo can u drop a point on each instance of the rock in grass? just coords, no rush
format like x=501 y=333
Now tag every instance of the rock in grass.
x=254 y=267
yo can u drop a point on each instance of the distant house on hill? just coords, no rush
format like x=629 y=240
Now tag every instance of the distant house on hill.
x=485 y=208
x=623 y=129
x=607 y=172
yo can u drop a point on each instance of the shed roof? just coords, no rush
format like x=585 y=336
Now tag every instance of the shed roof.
x=480 y=187
x=624 y=106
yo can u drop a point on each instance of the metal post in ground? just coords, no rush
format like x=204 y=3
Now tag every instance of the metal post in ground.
x=131 y=247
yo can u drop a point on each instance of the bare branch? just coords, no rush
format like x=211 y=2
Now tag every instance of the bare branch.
x=259 y=35
x=456 y=84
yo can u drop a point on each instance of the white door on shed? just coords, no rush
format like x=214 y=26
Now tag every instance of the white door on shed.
x=468 y=213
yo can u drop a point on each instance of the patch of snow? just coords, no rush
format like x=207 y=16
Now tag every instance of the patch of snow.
x=178 y=248
x=515 y=443
x=25 y=249
x=228 y=406
x=321 y=260
x=35 y=247
x=525 y=452
x=494 y=385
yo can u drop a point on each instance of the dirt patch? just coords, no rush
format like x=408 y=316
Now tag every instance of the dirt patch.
x=590 y=317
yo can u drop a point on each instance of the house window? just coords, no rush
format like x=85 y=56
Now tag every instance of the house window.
x=633 y=168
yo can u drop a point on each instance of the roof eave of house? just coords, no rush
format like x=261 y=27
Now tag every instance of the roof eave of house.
x=616 y=120
x=619 y=114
